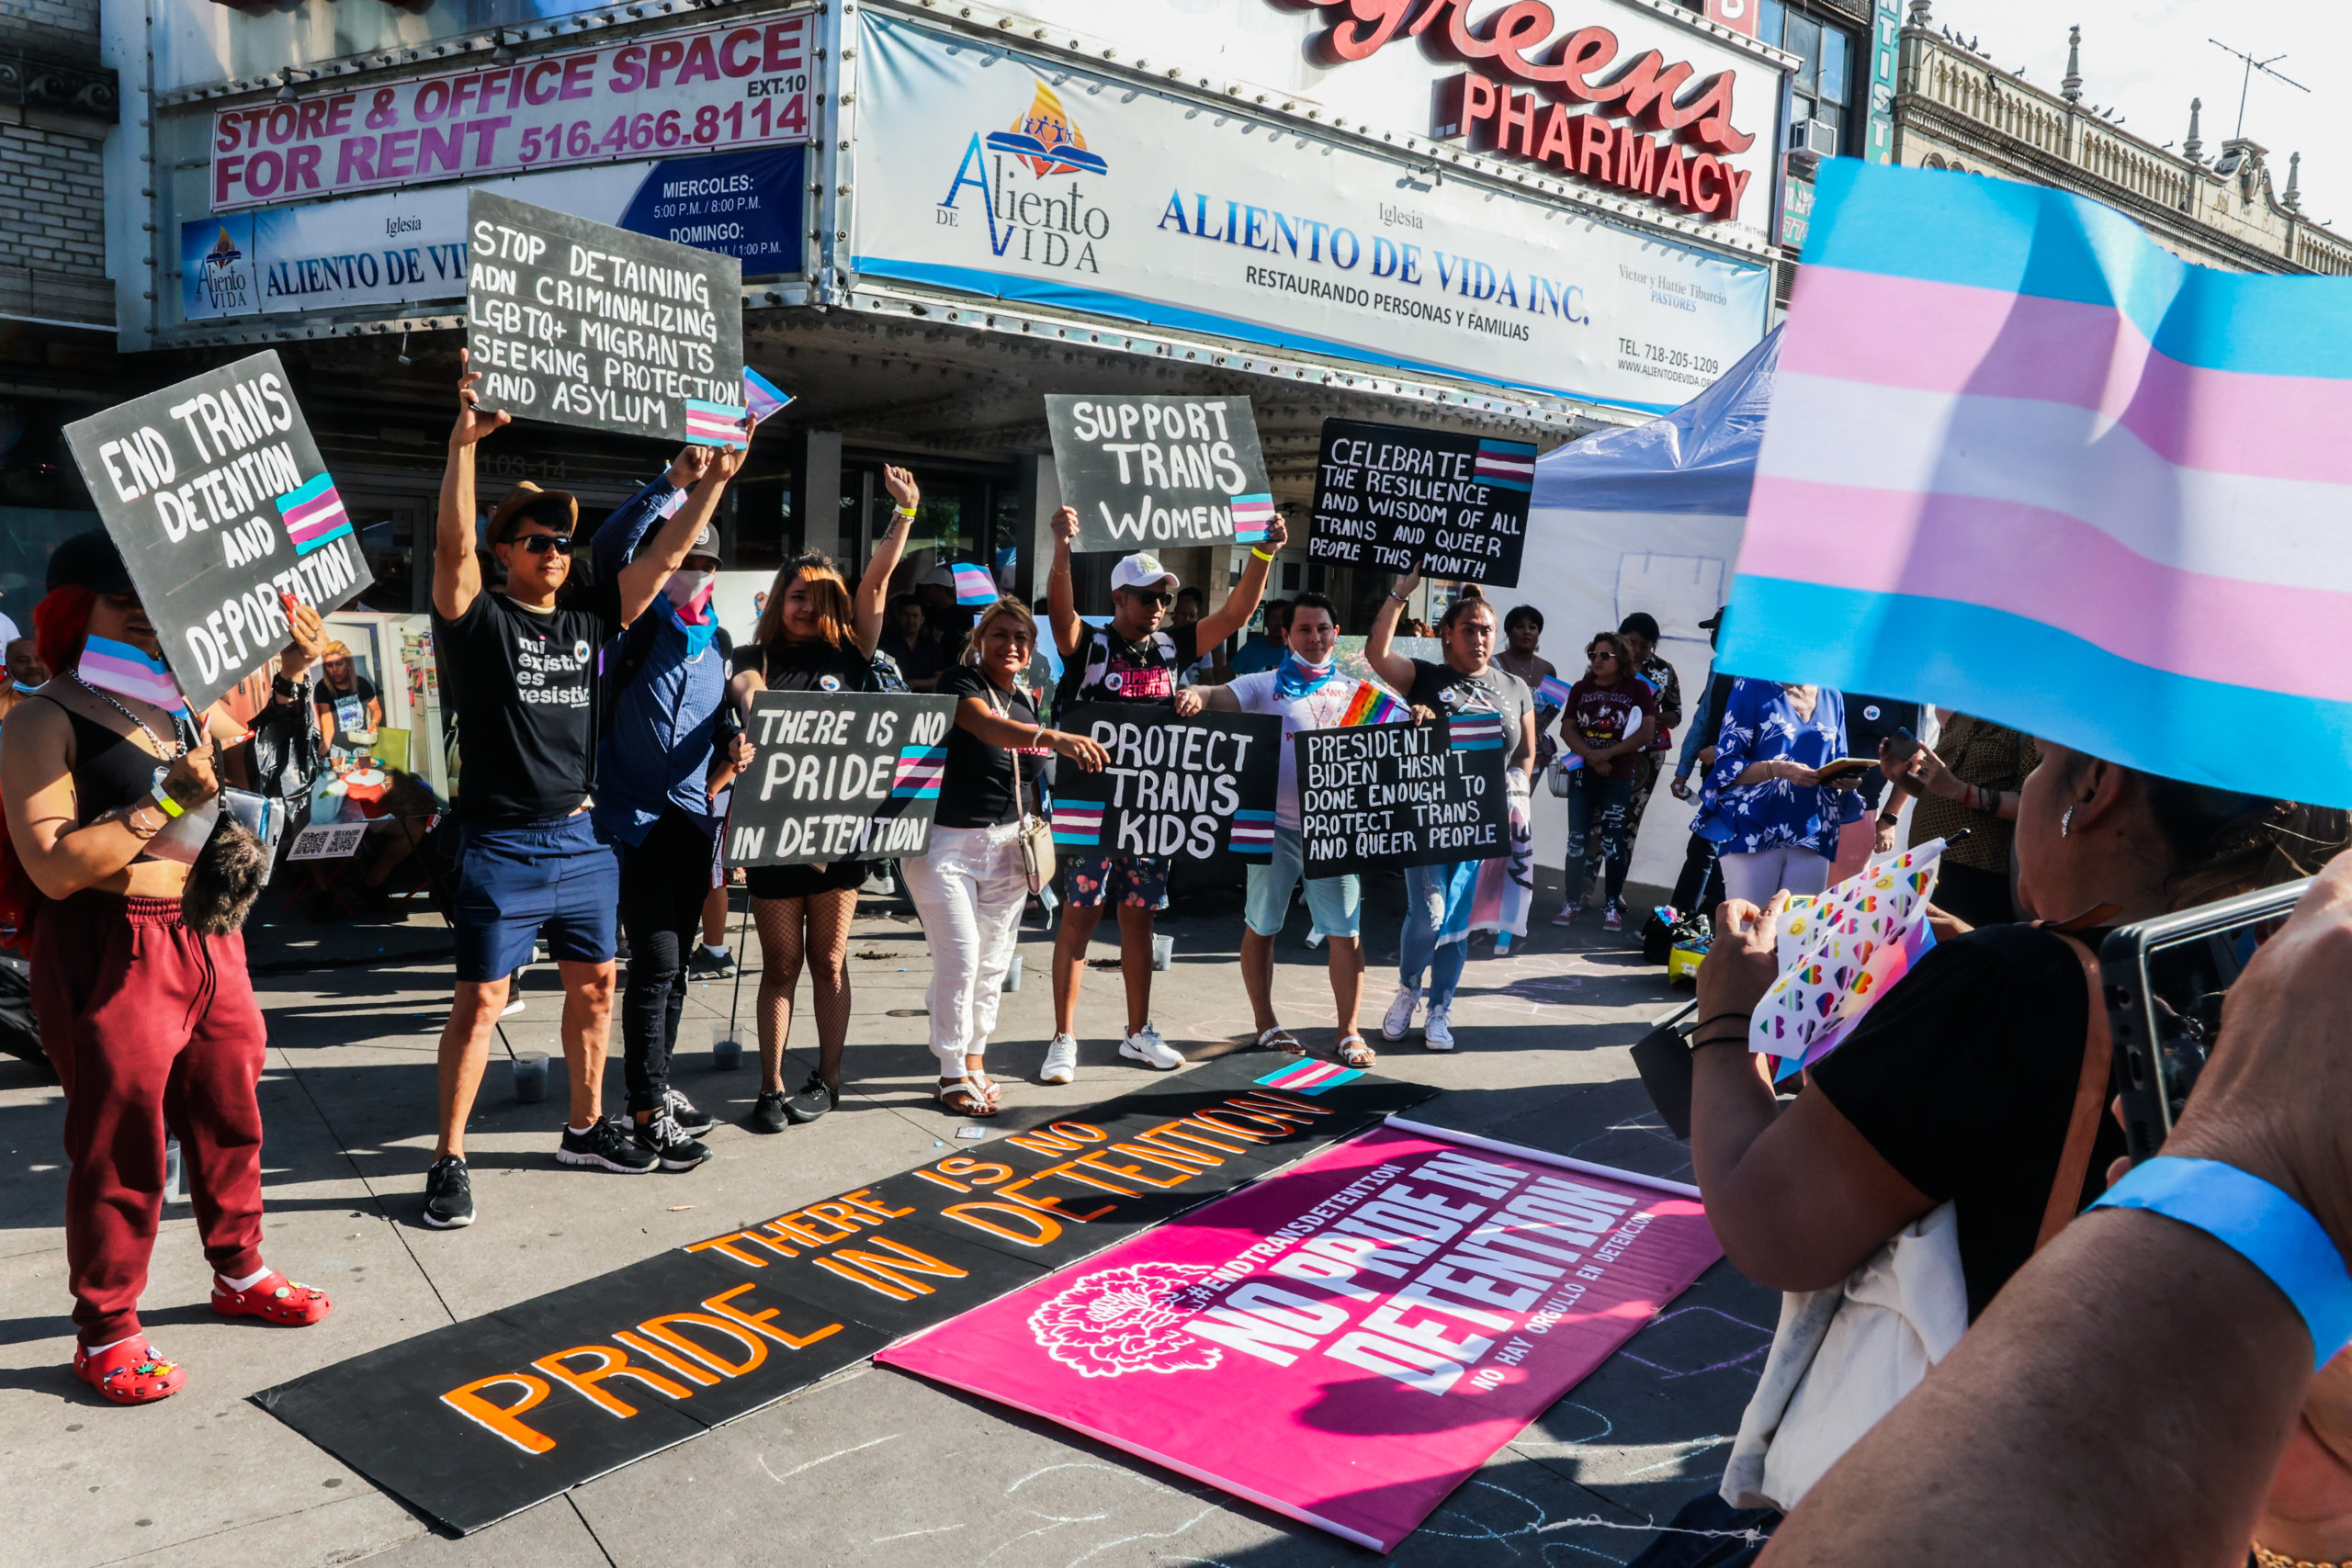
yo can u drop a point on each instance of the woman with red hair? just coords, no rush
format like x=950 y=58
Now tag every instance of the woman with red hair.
x=150 y=1025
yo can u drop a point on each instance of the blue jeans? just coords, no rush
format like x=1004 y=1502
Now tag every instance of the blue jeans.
x=1600 y=828
x=1425 y=888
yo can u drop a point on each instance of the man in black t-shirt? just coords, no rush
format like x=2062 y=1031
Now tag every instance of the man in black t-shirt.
x=1133 y=659
x=523 y=682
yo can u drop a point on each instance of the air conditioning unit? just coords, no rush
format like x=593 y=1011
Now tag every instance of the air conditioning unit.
x=1810 y=140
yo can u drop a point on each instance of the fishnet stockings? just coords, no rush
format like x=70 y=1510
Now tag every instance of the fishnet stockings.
x=815 y=929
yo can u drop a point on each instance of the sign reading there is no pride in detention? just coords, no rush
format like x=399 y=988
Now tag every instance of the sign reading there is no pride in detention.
x=1381 y=796
x=1146 y=473
x=1396 y=498
x=584 y=324
x=219 y=500
x=839 y=776
x=1195 y=788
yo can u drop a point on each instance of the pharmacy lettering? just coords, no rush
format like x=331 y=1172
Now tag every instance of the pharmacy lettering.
x=219 y=500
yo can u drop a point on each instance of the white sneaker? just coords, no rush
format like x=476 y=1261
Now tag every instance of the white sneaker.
x=1145 y=1045
x=1061 y=1060
x=1399 y=1019
x=1438 y=1033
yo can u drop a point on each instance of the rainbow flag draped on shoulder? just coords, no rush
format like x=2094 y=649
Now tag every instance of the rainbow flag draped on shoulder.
x=2024 y=462
x=1373 y=705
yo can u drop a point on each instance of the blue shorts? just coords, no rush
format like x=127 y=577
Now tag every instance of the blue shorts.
x=1335 y=902
x=561 y=877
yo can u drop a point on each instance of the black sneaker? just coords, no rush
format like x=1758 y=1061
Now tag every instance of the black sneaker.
x=769 y=1115
x=708 y=966
x=814 y=1099
x=683 y=1112
x=604 y=1147
x=663 y=1139
x=448 y=1194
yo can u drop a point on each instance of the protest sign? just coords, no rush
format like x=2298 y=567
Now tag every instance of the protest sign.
x=1145 y=471
x=1346 y=1342
x=1400 y=499
x=839 y=776
x=1193 y=788
x=584 y=324
x=219 y=500
x=478 y=1419
x=1380 y=796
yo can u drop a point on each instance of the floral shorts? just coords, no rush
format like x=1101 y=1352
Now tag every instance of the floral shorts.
x=1137 y=881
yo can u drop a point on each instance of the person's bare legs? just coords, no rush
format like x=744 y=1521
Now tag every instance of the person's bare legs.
x=826 y=948
x=465 y=1056
x=1258 y=978
x=1071 y=937
x=1347 y=979
x=587 y=1033
x=1134 y=961
x=779 y=923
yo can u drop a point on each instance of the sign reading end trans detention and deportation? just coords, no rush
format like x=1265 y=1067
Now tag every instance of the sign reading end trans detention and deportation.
x=584 y=324
x=1401 y=500
x=219 y=500
x=1381 y=796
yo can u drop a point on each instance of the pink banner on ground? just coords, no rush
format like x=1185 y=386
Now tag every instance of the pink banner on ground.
x=1346 y=1342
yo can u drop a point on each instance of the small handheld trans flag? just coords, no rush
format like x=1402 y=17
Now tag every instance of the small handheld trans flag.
x=765 y=397
x=1553 y=691
x=1251 y=515
x=975 y=585
x=714 y=424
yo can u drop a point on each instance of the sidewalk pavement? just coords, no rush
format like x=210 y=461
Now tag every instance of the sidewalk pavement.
x=872 y=1467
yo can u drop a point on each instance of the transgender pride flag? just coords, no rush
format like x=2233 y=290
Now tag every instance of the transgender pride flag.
x=313 y=514
x=2023 y=462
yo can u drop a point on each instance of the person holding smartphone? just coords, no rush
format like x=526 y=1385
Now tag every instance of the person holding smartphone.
x=1767 y=807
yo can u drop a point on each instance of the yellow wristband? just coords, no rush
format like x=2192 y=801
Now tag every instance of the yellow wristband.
x=1259 y=551
x=171 y=807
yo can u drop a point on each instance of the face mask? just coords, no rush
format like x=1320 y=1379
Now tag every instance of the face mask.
x=22 y=687
x=689 y=591
x=132 y=671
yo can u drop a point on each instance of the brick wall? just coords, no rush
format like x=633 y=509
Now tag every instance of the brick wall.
x=53 y=187
x=52 y=201
x=65 y=30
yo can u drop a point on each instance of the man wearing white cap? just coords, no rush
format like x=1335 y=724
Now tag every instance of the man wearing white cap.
x=1134 y=658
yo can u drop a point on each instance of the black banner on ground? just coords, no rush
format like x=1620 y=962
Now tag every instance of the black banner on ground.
x=581 y=323
x=1380 y=796
x=1153 y=472
x=1394 y=497
x=218 y=499
x=839 y=776
x=478 y=1420
x=1195 y=788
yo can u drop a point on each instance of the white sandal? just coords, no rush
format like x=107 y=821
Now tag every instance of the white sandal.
x=1280 y=1039
x=1356 y=1052
x=980 y=1095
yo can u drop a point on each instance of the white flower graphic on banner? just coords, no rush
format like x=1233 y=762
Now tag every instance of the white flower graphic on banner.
x=1125 y=1320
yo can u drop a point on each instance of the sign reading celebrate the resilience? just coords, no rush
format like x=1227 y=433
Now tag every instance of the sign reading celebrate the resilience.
x=839 y=776
x=1397 y=498
x=219 y=500
x=1381 y=796
x=584 y=324
x=1147 y=471
x=1195 y=788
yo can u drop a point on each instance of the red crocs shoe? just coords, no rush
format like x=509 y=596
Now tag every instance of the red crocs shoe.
x=272 y=1298
x=133 y=1372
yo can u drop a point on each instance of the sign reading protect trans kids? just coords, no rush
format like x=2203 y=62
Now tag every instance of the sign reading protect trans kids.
x=703 y=90
x=1028 y=181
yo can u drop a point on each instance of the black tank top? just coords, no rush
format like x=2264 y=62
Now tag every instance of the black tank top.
x=110 y=770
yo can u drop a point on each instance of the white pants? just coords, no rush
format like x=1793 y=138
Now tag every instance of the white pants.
x=968 y=890
x=1756 y=877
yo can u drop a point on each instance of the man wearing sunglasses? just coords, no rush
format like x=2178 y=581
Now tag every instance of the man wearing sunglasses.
x=1134 y=658
x=520 y=666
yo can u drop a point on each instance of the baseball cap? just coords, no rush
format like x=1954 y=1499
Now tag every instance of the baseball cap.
x=706 y=544
x=1141 y=571
x=1711 y=622
x=89 y=560
x=936 y=576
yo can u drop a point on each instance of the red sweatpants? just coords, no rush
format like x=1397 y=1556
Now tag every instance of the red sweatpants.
x=150 y=1025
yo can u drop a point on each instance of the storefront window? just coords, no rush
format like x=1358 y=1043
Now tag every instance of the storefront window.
x=1822 y=87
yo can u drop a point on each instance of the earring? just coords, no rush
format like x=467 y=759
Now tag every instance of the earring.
x=2066 y=823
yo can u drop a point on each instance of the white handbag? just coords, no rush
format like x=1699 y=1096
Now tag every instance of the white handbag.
x=1842 y=1357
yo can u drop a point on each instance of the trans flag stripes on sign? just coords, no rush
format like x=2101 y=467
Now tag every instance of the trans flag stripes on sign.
x=919 y=770
x=1477 y=732
x=2023 y=462
x=1506 y=464
x=313 y=514
x=1078 y=822
x=1253 y=832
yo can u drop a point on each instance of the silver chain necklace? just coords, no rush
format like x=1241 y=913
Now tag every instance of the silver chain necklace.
x=107 y=698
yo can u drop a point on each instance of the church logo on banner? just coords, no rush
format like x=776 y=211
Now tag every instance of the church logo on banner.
x=1053 y=226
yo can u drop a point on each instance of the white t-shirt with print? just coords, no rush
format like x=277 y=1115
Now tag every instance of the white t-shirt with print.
x=1318 y=709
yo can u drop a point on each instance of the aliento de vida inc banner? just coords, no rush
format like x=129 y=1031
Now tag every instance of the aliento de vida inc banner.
x=1088 y=193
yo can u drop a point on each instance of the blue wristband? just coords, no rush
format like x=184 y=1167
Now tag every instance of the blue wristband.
x=2262 y=1225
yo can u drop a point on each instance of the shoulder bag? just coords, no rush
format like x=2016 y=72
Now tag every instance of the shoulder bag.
x=1037 y=834
x=1842 y=1357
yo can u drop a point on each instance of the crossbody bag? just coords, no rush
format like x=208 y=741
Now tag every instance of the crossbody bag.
x=1037 y=861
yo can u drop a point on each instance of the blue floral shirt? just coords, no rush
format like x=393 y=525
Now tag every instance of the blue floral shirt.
x=1759 y=724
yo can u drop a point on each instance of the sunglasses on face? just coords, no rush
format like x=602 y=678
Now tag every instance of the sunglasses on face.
x=1161 y=600
x=544 y=544
x=1604 y=658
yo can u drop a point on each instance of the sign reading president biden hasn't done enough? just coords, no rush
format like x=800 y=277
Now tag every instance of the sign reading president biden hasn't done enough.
x=1145 y=471
x=1379 y=797
x=219 y=500
x=1195 y=788
x=584 y=324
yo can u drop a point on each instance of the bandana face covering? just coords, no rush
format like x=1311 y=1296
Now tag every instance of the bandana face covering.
x=688 y=593
x=1294 y=679
x=130 y=671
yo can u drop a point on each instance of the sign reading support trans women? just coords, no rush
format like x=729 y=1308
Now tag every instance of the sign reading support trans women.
x=219 y=500
x=1428 y=500
x=706 y=90
x=584 y=324
x=1195 y=788
x=1347 y=1342
x=1145 y=471
x=839 y=776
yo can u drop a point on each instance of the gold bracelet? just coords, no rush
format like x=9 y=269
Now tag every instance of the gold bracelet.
x=2270 y=1558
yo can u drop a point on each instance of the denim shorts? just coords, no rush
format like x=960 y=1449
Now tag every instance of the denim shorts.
x=561 y=877
x=1335 y=902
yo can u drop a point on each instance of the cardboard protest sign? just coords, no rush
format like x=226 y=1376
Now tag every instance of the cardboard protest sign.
x=1144 y=471
x=584 y=324
x=1396 y=498
x=839 y=776
x=1345 y=1342
x=476 y=1420
x=218 y=499
x=1193 y=788
x=1380 y=796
